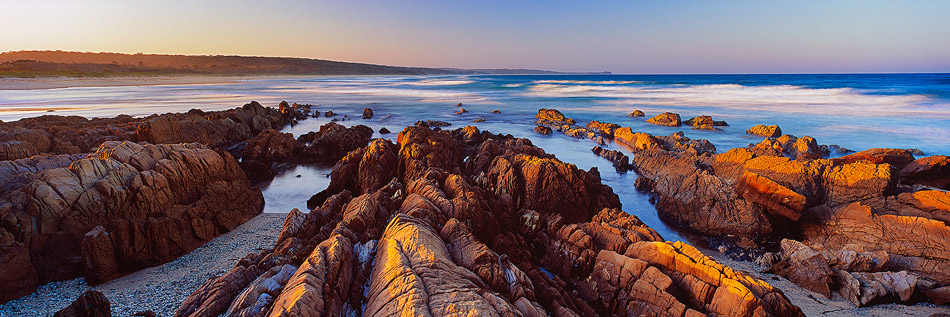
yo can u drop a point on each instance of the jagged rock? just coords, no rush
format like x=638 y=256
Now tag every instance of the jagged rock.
x=263 y=151
x=668 y=119
x=701 y=123
x=89 y=304
x=155 y=202
x=638 y=140
x=367 y=113
x=896 y=157
x=484 y=224
x=636 y=113
x=620 y=161
x=804 y=266
x=553 y=115
x=432 y=123
x=930 y=171
x=332 y=142
x=770 y=131
x=383 y=130
x=857 y=225
x=862 y=288
x=98 y=253
x=775 y=198
x=603 y=127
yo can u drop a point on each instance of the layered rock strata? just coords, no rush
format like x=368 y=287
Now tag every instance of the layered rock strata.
x=466 y=222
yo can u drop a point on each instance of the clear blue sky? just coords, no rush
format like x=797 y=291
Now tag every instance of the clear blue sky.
x=617 y=36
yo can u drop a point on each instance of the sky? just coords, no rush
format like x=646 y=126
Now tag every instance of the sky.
x=635 y=37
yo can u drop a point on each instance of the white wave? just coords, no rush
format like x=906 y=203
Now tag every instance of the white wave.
x=439 y=82
x=588 y=82
x=420 y=94
x=783 y=98
x=512 y=85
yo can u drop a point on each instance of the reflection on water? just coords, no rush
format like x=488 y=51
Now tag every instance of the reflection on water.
x=292 y=189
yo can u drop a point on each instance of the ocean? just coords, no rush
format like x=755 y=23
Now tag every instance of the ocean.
x=854 y=111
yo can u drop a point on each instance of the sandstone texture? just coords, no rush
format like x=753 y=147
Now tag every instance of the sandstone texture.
x=466 y=222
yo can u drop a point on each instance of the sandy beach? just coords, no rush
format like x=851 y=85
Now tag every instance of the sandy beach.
x=160 y=288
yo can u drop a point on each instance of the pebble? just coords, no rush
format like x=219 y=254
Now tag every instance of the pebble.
x=162 y=288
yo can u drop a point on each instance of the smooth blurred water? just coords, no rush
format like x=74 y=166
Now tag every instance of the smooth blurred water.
x=854 y=111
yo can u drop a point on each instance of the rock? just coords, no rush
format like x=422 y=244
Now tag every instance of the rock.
x=857 y=226
x=329 y=114
x=154 y=202
x=701 y=123
x=496 y=111
x=770 y=131
x=542 y=130
x=367 y=113
x=461 y=111
x=804 y=266
x=863 y=288
x=265 y=150
x=432 y=123
x=896 y=157
x=383 y=130
x=916 y=152
x=930 y=171
x=636 y=114
x=145 y=313
x=620 y=161
x=89 y=304
x=553 y=115
x=638 y=140
x=777 y=199
x=668 y=119
x=469 y=222
x=479 y=120
x=99 y=255
x=459 y=104
x=604 y=128
x=332 y=142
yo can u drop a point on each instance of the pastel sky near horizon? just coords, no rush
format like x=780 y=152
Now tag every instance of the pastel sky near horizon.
x=618 y=36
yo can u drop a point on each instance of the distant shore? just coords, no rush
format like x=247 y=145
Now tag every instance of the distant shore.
x=68 y=82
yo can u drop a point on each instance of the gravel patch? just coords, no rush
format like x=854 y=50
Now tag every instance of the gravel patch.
x=160 y=288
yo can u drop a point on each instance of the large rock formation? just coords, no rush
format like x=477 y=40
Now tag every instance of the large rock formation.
x=868 y=205
x=52 y=134
x=124 y=207
x=466 y=222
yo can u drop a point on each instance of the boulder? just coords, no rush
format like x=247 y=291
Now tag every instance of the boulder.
x=553 y=115
x=620 y=161
x=804 y=266
x=265 y=150
x=367 y=113
x=636 y=114
x=929 y=171
x=770 y=131
x=332 y=142
x=701 y=123
x=668 y=119
x=89 y=304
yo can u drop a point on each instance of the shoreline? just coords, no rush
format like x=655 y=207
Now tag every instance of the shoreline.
x=40 y=83
x=164 y=286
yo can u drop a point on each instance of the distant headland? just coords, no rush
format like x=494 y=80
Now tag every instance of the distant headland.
x=31 y=64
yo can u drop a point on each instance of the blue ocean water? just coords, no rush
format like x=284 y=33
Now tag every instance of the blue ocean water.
x=855 y=111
